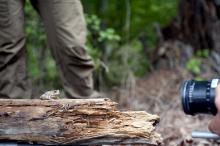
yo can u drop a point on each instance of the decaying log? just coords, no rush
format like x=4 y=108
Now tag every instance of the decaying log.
x=75 y=121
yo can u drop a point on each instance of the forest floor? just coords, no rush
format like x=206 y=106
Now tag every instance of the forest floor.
x=158 y=93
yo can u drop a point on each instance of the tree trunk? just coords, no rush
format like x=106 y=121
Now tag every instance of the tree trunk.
x=197 y=24
x=75 y=121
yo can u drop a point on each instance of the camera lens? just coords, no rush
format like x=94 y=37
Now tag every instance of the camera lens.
x=199 y=96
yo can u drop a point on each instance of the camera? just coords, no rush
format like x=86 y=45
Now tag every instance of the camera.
x=199 y=96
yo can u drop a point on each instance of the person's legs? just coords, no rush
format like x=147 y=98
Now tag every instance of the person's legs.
x=13 y=76
x=66 y=31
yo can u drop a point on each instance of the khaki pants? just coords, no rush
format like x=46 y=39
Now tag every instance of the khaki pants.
x=66 y=31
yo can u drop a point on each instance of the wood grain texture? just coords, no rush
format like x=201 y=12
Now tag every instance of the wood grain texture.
x=75 y=121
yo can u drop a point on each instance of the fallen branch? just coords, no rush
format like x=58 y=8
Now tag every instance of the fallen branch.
x=75 y=121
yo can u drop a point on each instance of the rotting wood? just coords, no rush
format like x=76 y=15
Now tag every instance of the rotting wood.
x=75 y=121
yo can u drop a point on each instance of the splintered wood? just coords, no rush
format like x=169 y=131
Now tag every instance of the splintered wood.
x=75 y=121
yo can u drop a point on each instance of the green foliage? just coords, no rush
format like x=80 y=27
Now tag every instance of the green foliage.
x=194 y=64
x=113 y=42
x=98 y=38
x=32 y=42
x=204 y=53
x=114 y=30
x=101 y=44
x=41 y=65
x=143 y=15
x=110 y=56
x=108 y=35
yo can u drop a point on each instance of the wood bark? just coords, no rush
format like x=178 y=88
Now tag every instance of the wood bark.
x=75 y=121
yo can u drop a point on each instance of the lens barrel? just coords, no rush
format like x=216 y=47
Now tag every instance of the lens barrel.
x=199 y=97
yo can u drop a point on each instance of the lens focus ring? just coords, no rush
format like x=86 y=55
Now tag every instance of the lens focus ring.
x=184 y=96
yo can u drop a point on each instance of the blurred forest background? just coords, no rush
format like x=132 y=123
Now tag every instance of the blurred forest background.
x=121 y=37
x=143 y=50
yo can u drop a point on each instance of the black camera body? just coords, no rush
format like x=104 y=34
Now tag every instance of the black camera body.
x=199 y=96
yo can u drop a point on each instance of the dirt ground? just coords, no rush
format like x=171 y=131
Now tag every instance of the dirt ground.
x=158 y=93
